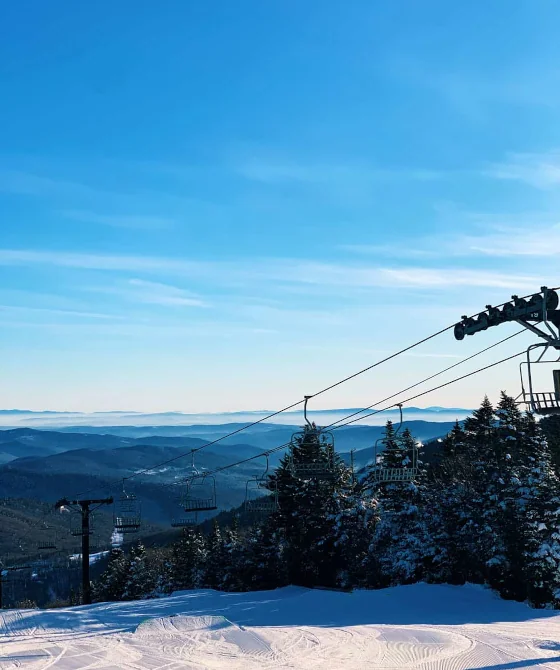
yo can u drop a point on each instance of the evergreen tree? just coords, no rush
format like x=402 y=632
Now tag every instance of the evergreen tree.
x=402 y=547
x=354 y=524
x=230 y=559
x=141 y=581
x=112 y=583
x=307 y=506
x=187 y=560
x=212 y=568
x=262 y=565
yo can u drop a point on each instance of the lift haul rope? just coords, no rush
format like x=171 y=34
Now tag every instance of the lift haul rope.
x=324 y=390
x=379 y=411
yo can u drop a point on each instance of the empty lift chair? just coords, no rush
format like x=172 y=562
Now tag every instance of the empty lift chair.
x=127 y=515
x=261 y=494
x=408 y=471
x=542 y=403
x=320 y=444
x=200 y=495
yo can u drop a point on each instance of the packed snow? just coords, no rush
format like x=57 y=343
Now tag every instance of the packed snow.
x=421 y=626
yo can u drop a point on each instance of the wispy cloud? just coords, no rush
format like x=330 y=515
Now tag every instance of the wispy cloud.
x=21 y=310
x=135 y=221
x=302 y=271
x=26 y=183
x=541 y=170
x=154 y=293
x=327 y=174
x=531 y=241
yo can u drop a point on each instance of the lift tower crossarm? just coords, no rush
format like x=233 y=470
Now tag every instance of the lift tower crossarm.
x=85 y=508
x=553 y=341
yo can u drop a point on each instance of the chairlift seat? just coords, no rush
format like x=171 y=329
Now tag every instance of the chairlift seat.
x=395 y=474
x=313 y=471
x=183 y=522
x=546 y=403
x=200 y=505
x=43 y=546
x=127 y=524
x=261 y=505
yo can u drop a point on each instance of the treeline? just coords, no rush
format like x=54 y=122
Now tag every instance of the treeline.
x=488 y=512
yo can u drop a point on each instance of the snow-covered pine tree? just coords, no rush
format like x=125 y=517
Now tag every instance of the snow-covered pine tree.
x=306 y=509
x=112 y=583
x=187 y=561
x=354 y=521
x=230 y=559
x=402 y=547
x=141 y=582
x=160 y=565
x=262 y=566
x=540 y=512
x=212 y=570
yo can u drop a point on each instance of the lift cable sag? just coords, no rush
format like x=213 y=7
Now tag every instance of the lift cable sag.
x=379 y=411
x=295 y=404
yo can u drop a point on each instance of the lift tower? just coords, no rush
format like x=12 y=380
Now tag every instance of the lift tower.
x=84 y=507
x=540 y=315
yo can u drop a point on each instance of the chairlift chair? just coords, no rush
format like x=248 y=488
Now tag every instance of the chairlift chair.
x=127 y=516
x=322 y=468
x=47 y=545
x=261 y=494
x=76 y=529
x=541 y=403
x=200 y=494
x=183 y=522
x=391 y=475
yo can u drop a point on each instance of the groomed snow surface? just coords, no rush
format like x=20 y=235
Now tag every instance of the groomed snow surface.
x=420 y=626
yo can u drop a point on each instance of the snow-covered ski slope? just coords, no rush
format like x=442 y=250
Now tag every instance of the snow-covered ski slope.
x=420 y=626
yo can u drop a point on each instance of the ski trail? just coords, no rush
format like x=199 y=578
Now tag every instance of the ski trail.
x=444 y=629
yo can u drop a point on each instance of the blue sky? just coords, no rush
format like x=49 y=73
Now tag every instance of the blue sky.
x=222 y=206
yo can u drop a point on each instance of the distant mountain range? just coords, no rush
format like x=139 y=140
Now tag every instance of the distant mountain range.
x=17 y=418
x=47 y=465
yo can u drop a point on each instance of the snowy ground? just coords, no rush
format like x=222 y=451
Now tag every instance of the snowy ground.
x=421 y=626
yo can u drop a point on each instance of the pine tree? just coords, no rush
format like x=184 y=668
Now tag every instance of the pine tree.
x=262 y=566
x=402 y=547
x=307 y=505
x=540 y=528
x=212 y=569
x=112 y=583
x=188 y=556
x=141 y=582
x=230 y=559
x=354 y=524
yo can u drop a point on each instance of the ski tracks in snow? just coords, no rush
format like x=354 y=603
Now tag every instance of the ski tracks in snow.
x=190 y=632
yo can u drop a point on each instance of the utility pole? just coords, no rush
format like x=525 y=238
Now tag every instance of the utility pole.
x=352 y=465
x=84 y=507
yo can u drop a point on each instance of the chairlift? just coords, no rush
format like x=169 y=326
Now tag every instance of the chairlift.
x=261 y=493
x=49 y=543
x=76 y=527
x=406 y=473
x=184 y=521
x=200 y=494
x=322 y=467
x=539 y=402
x=127 y=515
